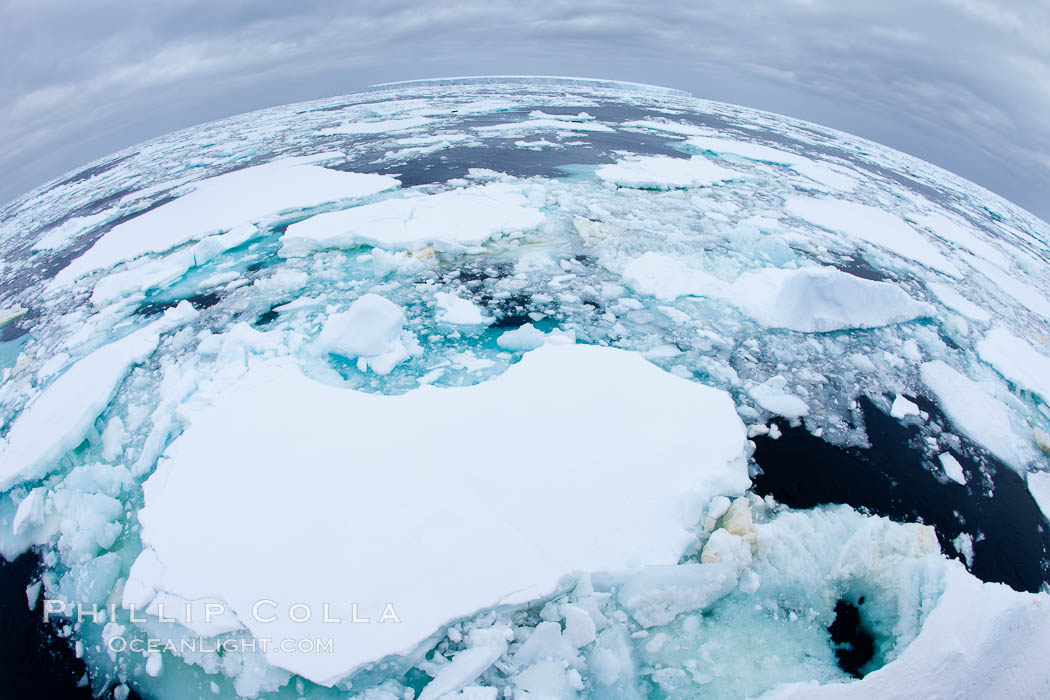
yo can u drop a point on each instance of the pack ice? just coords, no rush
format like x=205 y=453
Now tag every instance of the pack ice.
x=452 y=386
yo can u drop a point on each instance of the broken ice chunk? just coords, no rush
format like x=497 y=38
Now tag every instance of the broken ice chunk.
x=458 y=311
x=370 y=330
x=773 y=396
x=902 y=408
x=952 y=469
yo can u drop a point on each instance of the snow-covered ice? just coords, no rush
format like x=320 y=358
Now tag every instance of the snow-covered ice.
x=221 y=203
x=467 y=216
x=1017 y=360
x=664 y=172
x=332 y=513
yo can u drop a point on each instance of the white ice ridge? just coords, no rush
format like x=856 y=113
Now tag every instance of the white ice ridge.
x=665 y=172
x=872 y=225
x=810 y=299
x=1017 y=360
x=460 y=217
x=578 y=458
x=63 y=413
x=982 y=640
x=220 y=203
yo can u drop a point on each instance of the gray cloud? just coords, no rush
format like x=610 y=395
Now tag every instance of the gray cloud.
x=962 y=83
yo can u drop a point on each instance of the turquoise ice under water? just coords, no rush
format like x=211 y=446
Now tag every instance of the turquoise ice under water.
x=790 y=266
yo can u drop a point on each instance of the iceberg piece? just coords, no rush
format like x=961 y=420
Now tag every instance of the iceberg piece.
x=665 y=172
x=63 y=413
x=822 y=299
x=369 y=330
x=332 y=513
x=974 y=411
x=461 y=217
x=952 y=469
x=1039 y=487
x=1017 y=360
x=872 y=225
x=773 y=396
x=459 y=311
x=221 y=203
x=902 y=408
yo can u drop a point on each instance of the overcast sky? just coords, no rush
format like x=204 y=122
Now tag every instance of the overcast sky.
x=962 y=83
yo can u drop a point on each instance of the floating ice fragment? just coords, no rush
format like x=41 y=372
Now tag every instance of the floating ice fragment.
x=458 y=311
x=902 y=408
x=952 y=469
x=371 y=330
x=773 y=396
x=528 y=337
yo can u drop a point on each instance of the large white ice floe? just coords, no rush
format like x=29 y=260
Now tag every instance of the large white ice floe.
x=460 y=217
x=664 y=172
x=356 y=498
x=220 y=203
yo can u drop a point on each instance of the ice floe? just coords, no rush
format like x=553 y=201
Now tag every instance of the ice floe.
x=460 y=217
x=338 y=503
